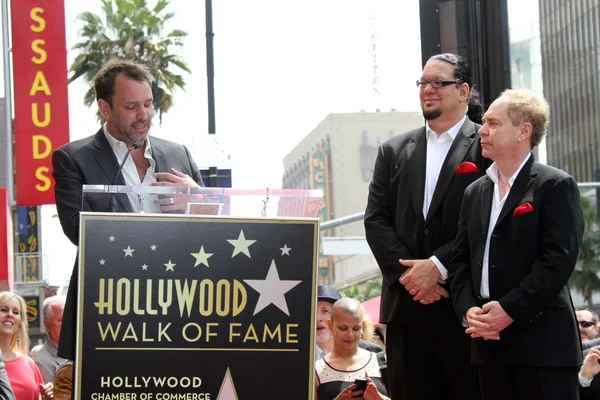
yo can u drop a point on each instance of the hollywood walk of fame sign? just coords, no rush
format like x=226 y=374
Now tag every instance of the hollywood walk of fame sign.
x=188 y=307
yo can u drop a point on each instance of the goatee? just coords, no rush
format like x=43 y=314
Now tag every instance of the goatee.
x=432 y=114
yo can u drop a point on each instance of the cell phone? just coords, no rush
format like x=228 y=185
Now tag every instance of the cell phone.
x=361 y=384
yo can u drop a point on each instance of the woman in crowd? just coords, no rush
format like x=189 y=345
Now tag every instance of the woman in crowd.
x=346 y=363
x=23 y=375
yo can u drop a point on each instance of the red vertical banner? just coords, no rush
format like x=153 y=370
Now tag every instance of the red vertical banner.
x=6 y=243
x=41 y=98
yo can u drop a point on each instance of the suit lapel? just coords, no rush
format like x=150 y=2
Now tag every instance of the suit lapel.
x=456 y=154
x=416 y=153
x=108 y=163
x=159 y=157
x=485 y=194
x=106 y=159
x=524 y=180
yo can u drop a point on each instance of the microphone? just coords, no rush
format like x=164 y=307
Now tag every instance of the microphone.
x=136 y=145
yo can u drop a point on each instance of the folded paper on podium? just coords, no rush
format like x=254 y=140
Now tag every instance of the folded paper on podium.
x=184 y=292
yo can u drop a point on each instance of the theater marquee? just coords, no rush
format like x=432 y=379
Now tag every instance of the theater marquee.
x=175 y=307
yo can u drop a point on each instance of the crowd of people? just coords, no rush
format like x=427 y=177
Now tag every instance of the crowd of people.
x=27 y=374
x=475 y=240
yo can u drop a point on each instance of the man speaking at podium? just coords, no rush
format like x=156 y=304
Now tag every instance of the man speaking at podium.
x=120 y=153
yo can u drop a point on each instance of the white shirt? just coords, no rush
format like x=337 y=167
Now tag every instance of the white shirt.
x=143 y=202
x=497 y=205
x=437 y=150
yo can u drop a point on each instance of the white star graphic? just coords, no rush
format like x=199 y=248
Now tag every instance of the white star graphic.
x=201 y=257
x=144 y=267
x=169 y=266
x=285 y=251
x=128 y=251
x=111 y=238
x=102 y=262
x=153 y=247
x=272 y=290
x=241 y=245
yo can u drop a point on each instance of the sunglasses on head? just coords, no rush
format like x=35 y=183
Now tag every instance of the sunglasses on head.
x=586 y=324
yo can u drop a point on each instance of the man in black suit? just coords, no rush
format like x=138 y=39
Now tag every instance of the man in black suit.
x=518 y=240
x=124 y=97
x=410 y=222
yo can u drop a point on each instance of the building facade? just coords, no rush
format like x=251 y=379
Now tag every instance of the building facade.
x=338 y=157
x=570 y=46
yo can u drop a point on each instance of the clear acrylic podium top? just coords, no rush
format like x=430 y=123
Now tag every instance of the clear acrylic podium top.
x=202 y=201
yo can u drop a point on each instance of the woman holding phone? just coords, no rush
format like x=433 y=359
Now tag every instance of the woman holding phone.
x=349 y=372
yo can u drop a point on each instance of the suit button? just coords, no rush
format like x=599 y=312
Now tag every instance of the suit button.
x=493 y=265
x=426 y=231
x=479 y=265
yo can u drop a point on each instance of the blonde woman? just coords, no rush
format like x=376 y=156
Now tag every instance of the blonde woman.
x=23 y=375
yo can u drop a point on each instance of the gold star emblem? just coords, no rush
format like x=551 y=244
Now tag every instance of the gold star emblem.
x=169 y=266
x=128 y=251
x=241 y=245
x=201 y=257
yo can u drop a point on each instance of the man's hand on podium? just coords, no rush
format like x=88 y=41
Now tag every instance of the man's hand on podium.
x=180 y=201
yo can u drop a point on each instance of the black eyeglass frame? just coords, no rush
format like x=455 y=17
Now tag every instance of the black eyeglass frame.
x=422 y=83
x=586 y=324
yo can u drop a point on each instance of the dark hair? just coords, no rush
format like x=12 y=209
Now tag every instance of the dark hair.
x=462 y=73
x=104 y=81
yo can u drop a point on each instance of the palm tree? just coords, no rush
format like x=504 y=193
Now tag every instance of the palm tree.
x=130 y=30
x=585 y=277
x=371 y=289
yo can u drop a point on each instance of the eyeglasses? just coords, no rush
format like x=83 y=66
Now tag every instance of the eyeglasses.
x=586 y=324
x=435 y=84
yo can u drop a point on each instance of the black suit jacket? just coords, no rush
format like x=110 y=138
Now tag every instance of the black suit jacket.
x=92 y=161
x=394 y=223
x=531 y=257
x=591 y=392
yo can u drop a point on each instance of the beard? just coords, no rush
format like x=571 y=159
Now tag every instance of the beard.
x=128 y=133
x=432 y=114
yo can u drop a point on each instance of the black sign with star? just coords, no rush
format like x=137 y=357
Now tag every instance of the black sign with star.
x=175 y=307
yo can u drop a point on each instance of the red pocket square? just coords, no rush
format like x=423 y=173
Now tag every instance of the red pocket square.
x=466 y=167
x=523 y=208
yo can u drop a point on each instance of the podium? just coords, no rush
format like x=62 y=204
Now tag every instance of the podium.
x=196 y=293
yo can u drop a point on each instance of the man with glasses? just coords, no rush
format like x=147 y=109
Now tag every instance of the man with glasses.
x=588 y=324
x=411 y=221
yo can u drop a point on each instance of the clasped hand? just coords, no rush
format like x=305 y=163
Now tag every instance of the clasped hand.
x=488 y=321
x=423 y=281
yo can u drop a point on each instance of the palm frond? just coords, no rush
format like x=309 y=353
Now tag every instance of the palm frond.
x=130 y=29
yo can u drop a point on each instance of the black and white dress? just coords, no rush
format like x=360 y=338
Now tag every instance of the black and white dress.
x=332 y=381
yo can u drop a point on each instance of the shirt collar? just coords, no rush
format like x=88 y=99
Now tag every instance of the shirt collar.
x=118 y=145
x=452 y=132
x=492 y=171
